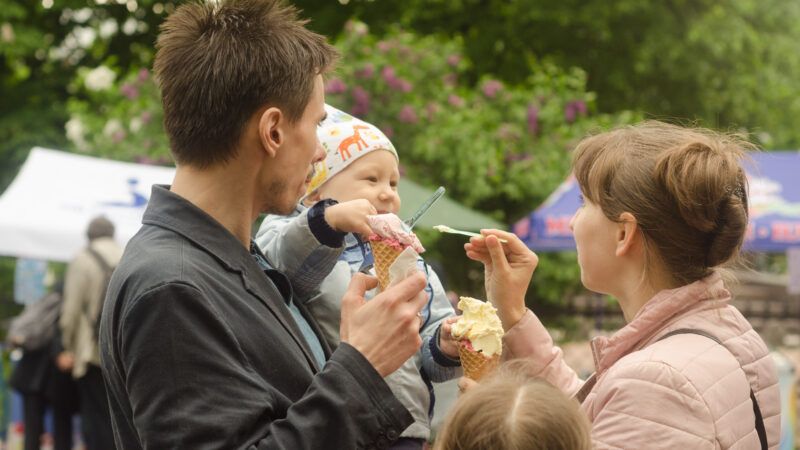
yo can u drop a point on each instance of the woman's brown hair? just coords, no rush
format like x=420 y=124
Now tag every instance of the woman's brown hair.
x=513 y=411
x=685 y=187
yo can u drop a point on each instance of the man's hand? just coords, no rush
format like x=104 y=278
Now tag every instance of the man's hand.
x=350 y=217
x=385 y=329
x=65 y=361
x=508 y=269
x=447 y=343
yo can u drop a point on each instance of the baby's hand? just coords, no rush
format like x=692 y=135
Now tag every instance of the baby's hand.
x=447 y=343
x=350 y=217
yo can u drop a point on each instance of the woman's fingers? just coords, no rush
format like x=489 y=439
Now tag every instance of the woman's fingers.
x=497 y=254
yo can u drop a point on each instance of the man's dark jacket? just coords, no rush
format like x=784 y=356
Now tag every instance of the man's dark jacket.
x=199 y=350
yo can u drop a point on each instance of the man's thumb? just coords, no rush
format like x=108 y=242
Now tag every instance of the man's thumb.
x=354 y=298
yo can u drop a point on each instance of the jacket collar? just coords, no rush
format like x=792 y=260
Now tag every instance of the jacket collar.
x=173 y=212
x=656 y=315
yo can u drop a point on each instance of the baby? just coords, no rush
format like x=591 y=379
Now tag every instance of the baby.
x=324 y=243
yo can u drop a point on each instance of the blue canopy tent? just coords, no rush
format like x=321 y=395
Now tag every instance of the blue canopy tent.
x=774 y=195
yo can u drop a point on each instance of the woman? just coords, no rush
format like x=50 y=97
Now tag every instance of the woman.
x=665 y=208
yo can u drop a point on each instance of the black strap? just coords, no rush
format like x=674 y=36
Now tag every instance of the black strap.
x=760 y=430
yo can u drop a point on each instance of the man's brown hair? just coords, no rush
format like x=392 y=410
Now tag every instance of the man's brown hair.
x=219 y=62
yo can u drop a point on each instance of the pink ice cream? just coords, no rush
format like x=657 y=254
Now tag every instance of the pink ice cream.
x=392 y=231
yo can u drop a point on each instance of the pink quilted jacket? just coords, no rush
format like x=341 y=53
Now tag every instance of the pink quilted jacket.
x=683 y=392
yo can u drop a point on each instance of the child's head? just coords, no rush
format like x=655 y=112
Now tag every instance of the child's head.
x=511 y=410
x=360 y=163
x=684 y=187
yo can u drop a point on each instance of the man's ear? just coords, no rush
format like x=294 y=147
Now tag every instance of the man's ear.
x=628 y=235
x=270 y=130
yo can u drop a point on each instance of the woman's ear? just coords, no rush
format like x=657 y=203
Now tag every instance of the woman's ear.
x=270 y=130
x=628 y=235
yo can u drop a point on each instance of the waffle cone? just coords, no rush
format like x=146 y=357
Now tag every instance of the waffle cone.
x=475 y=365
x=383 y=255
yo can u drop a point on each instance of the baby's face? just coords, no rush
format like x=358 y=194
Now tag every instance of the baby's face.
x=373 y=177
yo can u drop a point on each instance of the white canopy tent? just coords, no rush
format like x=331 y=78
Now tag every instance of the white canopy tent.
x=46 y=209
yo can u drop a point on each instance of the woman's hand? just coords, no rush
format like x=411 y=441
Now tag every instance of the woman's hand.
x=447 y=343
x=508 y=269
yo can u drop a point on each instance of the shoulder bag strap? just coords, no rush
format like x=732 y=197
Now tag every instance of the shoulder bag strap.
x=762 y=432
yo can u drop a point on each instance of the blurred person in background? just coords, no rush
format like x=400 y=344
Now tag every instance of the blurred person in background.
x=36 y=377
x=85 y=286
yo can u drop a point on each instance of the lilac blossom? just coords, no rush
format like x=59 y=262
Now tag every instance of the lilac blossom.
x=366 y=72
x=129 y=91
x=360 y=101
x=407 y=114
x=432 y=109
x=384 y=46
x=532 y=117
x=455 y=100
x=451 y=79
x=335 y=86
x=491 y=88
x=143 y=75
x=453 y=60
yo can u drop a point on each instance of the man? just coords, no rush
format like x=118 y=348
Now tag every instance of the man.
x=202 y=343
x=85 y=285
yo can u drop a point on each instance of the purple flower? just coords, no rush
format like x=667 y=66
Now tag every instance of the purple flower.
x=388 y=74
x=455 y=100
x=146 y=117
x=142 y=159
x=143 y=75
x=118 y=136
x=570 y=113
x=580 y=106
x=366 y=72
x=507 y=132
x=360 y=101
x=532 y=117
x=130 y=91
x=573 y=109
x=451 y=79
x=407 y=114
x=404 y=85
x=432 y=109
x=387 y=130
x=491 y=88
x=384 y=46
x=453 y=60
x=335 y=86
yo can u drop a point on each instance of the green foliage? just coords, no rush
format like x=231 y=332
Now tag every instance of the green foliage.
x=727 y=64
x=499 y=148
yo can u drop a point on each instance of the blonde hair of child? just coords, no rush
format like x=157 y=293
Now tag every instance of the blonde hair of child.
x=511 y=410
x=685 y=186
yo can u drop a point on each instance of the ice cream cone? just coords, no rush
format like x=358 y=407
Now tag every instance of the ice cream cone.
x=383 y=255
x=475 y=364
